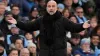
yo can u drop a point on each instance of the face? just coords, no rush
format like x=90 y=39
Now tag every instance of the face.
x=75 y=1
x=51 y=7
x=15 y=10
x=32 y=49
x=14 y=53
x=79 y=12
x=90 y=10
x=98 y=31
x=75 y=41
x=85 y=46
x=66 y=14
x=93 y=22
x=5 y=1
x=28 y=36
x=73 y=19
x=59 y=9
x=14 y=30
x=35 y=13
x=82 y=33
x=42 y=3
x=25 y=53
x=8 y=17
x=1 y=49
x=2 y=9
x=95 y=40
x=19 y=44
x=68 y=3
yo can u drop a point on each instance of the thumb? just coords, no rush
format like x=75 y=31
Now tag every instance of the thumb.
x=88 y=21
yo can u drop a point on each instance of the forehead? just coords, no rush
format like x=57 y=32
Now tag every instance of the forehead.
x=86 y=44
x=25 y=50
x=52 y=3
x=79 y=9
x=18 y=40
x=15 y=7
x=14 y=51
x=73 y=17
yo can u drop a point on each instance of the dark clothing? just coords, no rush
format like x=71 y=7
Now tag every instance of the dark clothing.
x=82 y=53
x=17 y=17
x=97 y=2
x=4 y=27
x=74 y=47
x=93 y=47
x=41 y=10
x=52 y=33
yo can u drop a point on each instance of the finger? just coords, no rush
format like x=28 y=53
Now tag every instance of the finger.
x=9 y=20
x=88 y=21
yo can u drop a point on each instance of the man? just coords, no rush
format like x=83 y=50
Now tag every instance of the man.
x=41 y=6
x=75 y=41
x=52 y=28
x=68 y=4
x=24 y=52
x=15 y=9
x=13 y=52
x=2 y=11
x=18 y=44
x=80 y=15
x=4 y=25
x=84 y=49
x=95 y=42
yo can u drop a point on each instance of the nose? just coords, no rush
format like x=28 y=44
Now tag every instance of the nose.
x=51 y=8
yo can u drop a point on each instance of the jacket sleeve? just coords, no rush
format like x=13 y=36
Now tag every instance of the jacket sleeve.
x=72 y=27
x=29 y=26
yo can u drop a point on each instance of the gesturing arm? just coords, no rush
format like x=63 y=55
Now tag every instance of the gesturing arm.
x=70 y=26
x=27 y=26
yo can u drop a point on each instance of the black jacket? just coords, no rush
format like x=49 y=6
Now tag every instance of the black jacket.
x=52 y=33
x=4 y=27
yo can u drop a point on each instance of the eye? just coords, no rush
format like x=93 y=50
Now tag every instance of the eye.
x=49 y=6
x=53 y=5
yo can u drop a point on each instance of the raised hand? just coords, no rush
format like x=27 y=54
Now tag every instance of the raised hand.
x=86 y=24
x=12 y=20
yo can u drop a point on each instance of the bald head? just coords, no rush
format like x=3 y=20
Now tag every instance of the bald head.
x=24 y=52
x=52 y=1
x=51 y=7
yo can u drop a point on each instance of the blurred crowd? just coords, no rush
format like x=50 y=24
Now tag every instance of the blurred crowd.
x=16 y=42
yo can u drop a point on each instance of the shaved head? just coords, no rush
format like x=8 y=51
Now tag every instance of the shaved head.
x=52 y=1
x=51 y=7
x=24 y=52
